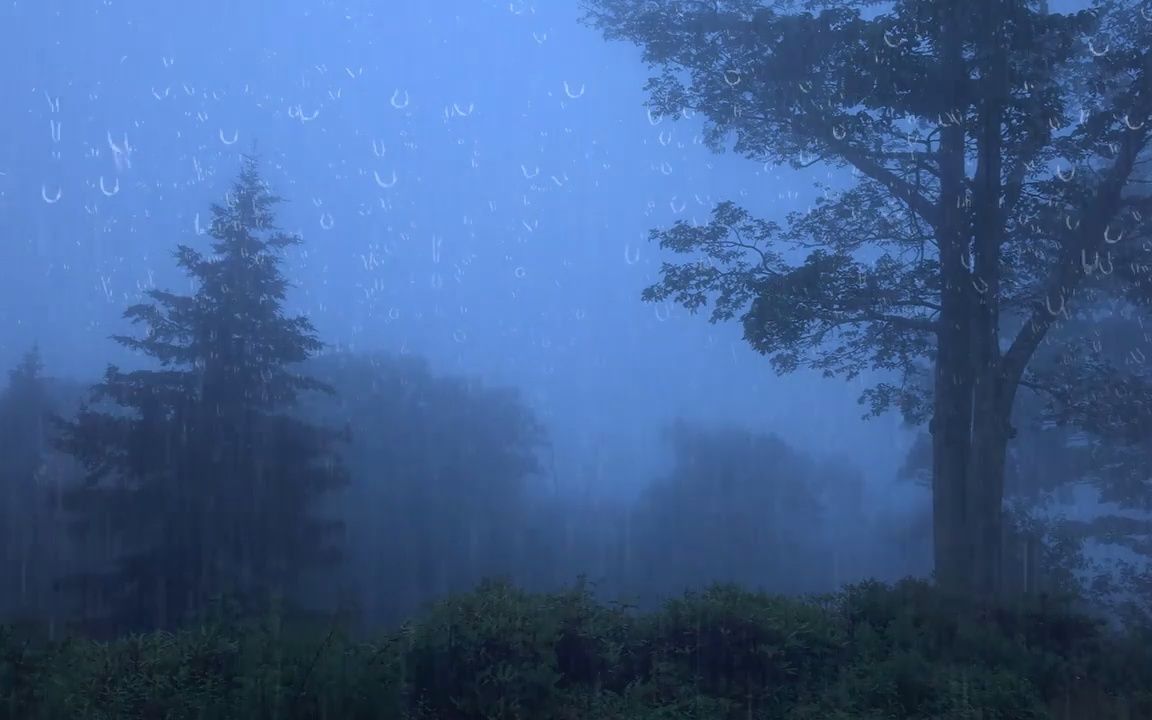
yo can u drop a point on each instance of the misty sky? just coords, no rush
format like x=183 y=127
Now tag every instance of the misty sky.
x=474 y=182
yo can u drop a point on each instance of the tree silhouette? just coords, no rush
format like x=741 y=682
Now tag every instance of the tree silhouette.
x=998 y=150
x=199 y=481
x=23 y=411
x=441 y=471
x=735 y=506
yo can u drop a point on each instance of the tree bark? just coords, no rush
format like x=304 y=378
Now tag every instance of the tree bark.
x=952 y=416
x=990 y=429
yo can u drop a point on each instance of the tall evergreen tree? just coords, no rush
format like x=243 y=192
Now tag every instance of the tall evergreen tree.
x=202 y=480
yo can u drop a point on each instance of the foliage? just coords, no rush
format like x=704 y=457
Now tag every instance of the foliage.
x=999 y=152
x=800 y=83
x=498 y=653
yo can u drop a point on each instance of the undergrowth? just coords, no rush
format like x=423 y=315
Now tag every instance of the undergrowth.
x=499 y=653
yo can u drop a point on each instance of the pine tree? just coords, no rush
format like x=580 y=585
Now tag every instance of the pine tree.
x=203 y=480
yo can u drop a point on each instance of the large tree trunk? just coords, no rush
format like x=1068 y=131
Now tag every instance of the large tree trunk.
x=950 y=453
x=973 y=399
x=985 y=497
x=973 y=411
x=952 y=416
x=991 y=397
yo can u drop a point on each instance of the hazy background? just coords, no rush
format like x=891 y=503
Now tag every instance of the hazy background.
x=523 y=175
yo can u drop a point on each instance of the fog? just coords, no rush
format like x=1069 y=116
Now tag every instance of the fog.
x=474 y=183
x=513 y=244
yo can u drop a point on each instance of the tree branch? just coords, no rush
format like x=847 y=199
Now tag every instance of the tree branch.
x=899 y=187
x=1069 y=270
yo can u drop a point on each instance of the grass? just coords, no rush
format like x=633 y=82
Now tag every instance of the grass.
x=499 y=653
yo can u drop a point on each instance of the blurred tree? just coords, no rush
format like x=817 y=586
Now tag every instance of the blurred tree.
x=442 y=472
x=735 y=507
x=23 y=415
x=998 y=150
x=199 y=483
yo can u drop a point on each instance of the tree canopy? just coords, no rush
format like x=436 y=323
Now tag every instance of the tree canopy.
x=998 y=151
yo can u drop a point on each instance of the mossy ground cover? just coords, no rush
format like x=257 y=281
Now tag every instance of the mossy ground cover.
x=499 y=653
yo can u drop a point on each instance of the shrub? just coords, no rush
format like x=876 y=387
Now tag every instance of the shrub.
x=871 y=652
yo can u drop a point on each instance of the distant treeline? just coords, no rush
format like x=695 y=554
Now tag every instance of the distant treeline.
x=241 y=460
x=244 y=461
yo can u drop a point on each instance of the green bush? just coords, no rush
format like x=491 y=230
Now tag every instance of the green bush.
x=871 y=652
